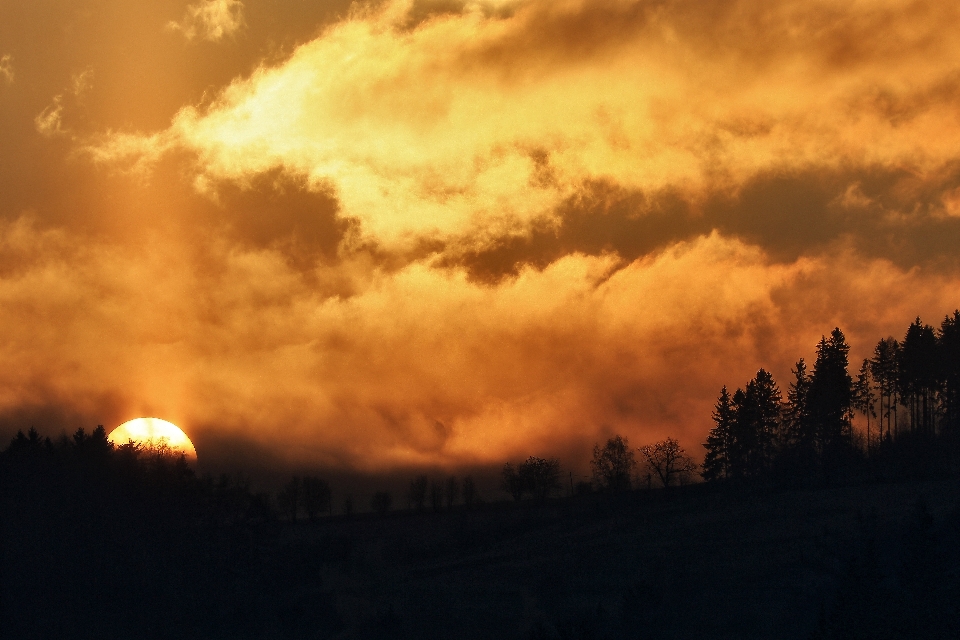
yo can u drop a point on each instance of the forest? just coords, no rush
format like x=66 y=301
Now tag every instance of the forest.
x=847 y=486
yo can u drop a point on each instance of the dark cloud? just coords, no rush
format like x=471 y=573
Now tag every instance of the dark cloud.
x=883 y=212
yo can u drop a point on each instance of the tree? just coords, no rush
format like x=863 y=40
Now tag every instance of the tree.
x=918 y=374
x=830 y=397
x=884 y=369
x=289 y=498
x=716 y=464
x=513 y=482
x=668 y=461
x=418 y=492
x=613 y=465
x=797 y=428
x=863 y=399
x=380 y=502
x=451 y=491
x=315 y=496
x=949 y=345
x=470 y=497
x=436 y=495
x=541 y=477
x=756 y=422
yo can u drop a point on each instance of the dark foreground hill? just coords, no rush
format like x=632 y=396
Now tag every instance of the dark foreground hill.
x=872 y=561
x=103 y=543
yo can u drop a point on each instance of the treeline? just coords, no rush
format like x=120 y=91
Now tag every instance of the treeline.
x=908 y=393
x=120 y=542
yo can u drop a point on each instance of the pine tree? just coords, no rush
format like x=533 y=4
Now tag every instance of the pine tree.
x=918 y=373
x=716 y=464
x=948 y=342
x=883 y=368
x=830 y=398
x=863 y=399
x=756 y=423
x=797 y=432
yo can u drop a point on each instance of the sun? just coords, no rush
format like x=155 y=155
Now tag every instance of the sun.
x=151 y=432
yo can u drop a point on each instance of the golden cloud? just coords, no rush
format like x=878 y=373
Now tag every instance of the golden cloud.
x=474 y=123
x=210 y=20
x=6 y=68
x=442 y=233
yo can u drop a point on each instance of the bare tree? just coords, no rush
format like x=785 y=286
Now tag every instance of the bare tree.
x=668 y=461
x=613 y=465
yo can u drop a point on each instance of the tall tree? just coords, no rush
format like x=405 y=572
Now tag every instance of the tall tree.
x=757 y=411
x=831 y=397
x=918 y=374
x=949 y=344
x=798 y=432
x=863 y=398
x=716 y=464
x=883 y=368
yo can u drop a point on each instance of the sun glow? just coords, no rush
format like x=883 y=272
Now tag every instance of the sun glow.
x=152 y=432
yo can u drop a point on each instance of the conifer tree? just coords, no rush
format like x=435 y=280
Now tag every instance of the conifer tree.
x=863 y=399
x=756 y=423
x=948 y=342
x=883 y=368
x=716 y=464
x=830 y=398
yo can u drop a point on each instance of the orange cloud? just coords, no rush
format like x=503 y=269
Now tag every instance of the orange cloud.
x=211 y=20
x=441 y=233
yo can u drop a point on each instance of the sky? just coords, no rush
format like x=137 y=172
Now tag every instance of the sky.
x=385 y=235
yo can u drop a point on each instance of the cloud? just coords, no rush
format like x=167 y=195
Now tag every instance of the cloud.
x=6 y=68
x=211 y=20
x=516 y=111
x=49 y=122
x=442 y=233
x=226 y=340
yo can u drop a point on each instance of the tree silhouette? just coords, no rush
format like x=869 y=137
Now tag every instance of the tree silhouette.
x=451 y=491
x=831 y=397
x=289 y=498
x=756 y=424
x=418 y=492
x=541 y=477
x=716 y=464
x=470 y=496
x=668 y=461
x=884 y=369
x=613 y=465
x=863 y=398
x=918 y=370
x=436 y=496
x=949 y=343
x=380 y=502
x=315 y=496
x=512 y=482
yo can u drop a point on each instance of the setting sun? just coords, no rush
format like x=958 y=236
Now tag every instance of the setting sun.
x=153 y=431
